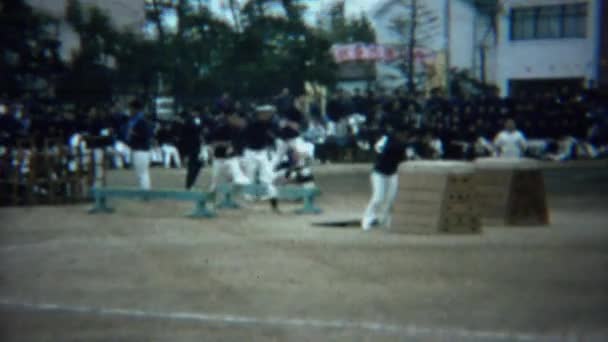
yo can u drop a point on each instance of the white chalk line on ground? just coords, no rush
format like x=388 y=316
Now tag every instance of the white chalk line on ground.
x=413 y=331
x=54 y=243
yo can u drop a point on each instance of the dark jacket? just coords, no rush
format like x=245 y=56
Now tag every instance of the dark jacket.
x=139 y=133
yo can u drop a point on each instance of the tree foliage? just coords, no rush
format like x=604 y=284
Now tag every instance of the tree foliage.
x=30 y=55
x=416 y=29
x=203 y=56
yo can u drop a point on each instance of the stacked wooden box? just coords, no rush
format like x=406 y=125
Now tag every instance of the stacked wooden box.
x=511 y=192
x=436 y=197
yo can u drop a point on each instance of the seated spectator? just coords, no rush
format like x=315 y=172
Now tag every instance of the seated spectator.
x=432 y=146
x=167 y=140
x=566 y=149
x=317 y=135
x=482 y=146
x=510 y=143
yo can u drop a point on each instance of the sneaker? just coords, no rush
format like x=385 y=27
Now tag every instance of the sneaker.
x=274 y=205
x=368 y=225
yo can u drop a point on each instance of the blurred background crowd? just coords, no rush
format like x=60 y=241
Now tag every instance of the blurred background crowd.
x=560 y=125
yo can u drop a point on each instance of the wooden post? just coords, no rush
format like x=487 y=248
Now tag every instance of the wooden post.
x=49 y=161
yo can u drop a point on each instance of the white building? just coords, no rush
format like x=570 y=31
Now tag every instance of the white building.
x=124 y=14
x=544 y=44
x=466 y=32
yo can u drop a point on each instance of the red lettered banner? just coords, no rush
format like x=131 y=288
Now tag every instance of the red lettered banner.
x=374 y=52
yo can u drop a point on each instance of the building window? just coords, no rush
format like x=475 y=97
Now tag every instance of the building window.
x=549 y=22
x=575 y=21
x=523 y=23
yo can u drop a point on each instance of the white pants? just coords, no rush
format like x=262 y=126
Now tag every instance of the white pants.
x=123 y=153
x=227 y=170
x=156 y=155
x=302 y=148
x=141 y=164
x=204 y=153
x=259 y=162
x=384 y=191
x=170 y=153
x=98 y=168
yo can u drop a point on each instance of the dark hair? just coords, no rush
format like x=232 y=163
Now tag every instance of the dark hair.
x=136 y=104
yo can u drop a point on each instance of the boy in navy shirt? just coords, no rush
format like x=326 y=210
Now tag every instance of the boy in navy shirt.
x=392 y=149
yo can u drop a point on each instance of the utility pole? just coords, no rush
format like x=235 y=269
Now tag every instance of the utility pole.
x=412 y=46
x=448 y=21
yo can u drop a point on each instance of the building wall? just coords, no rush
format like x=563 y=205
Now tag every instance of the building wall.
x=124 y=14
x=546 y=59
x=484 y=36
x=603 y=46
x=462 y=35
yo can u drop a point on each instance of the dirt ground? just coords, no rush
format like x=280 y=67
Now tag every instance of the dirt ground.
x=146 y=273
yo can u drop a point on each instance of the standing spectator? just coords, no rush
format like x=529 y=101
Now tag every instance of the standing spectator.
x=192 y=139
x=510 y=142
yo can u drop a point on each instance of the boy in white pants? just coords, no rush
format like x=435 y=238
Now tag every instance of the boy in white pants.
x=392 y=150
x=259 y=139
x=139 y=138
x=226 y=166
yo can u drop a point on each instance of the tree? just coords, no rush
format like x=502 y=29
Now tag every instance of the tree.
x=29 y=60
x=90 y=76
x=344 y=30
x=417 y=29
x=203 y=55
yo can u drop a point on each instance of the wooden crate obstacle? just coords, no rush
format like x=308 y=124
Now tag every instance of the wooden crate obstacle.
x=200 y=199
x=436 y=197
x=511 y=192
x=307 y=195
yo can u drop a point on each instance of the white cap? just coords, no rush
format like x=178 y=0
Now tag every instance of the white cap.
x=265 y=108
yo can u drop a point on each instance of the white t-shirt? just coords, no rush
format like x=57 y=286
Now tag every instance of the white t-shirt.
x=437 y=148
x=510 y=144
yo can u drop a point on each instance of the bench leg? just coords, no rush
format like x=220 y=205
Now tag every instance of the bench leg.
x=227 y=201
x=309 y=206
x=201 y=210
x=100 y=206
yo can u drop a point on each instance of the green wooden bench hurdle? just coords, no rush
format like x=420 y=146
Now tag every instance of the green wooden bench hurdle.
x=288 y=192
x=200 y=199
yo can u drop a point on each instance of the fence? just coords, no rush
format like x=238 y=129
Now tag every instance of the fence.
x=52 y=174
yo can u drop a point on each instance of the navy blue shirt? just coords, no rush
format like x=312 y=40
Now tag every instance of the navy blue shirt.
x=225 y=136
x=295 y=116
x=139 y=133
x=259 y=135
x=391 y=154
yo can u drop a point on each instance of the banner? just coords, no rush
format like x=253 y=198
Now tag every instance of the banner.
x=374 y=52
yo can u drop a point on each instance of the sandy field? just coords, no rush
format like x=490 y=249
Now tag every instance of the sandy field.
x=147 y=273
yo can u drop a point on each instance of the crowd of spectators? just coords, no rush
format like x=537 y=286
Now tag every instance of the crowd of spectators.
x=557 y=125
